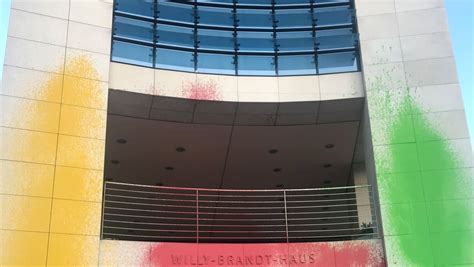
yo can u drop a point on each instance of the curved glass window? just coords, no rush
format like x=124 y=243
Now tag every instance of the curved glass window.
x=216 y=40
x=256 y=3
x=333 y=16
x=256 y=65
x=337 y=62
x=237 y=37
x=294 y=65
x=176 y=36
x=170 y=11
x=254 y=18
x=215 y=63
x=292 y=2
x=132 y=53
x=333 y=39
x=255 y=41
x=133 y=29
x=295 y=41
x=216 y=1
x=138 y=7
x=211 y=16
x=174 y=59
x=294 y=18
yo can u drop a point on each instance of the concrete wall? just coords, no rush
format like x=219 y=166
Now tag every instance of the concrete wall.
x=420 y=139
x=53 y=105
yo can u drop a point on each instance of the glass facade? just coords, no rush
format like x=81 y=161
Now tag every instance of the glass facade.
x=240 y=37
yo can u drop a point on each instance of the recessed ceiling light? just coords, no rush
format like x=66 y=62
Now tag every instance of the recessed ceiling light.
x=169 y=168
x=277 y=170
x=329 y=146
x=180 y=149
x=114 y=161
x=273 y=151
x=327 y=165
x=121 y=141
x=280 y=185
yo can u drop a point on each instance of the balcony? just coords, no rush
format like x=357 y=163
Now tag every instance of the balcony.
x=173 y=214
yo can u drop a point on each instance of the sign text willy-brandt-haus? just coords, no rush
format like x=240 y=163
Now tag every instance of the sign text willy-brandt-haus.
x=247 y=260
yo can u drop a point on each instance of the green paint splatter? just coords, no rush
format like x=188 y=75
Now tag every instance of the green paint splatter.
x=427 y=193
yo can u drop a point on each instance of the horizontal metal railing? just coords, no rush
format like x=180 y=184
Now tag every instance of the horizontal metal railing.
x=159 y=213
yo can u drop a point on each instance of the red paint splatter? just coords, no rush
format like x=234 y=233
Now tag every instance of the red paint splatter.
x=359 y=253
x=327 y=254
x=318 y=254
x=201 y=90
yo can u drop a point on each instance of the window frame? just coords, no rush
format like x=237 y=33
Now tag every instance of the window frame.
x=234 y=7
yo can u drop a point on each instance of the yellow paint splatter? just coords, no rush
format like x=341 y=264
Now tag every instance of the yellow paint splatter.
x=70 y=133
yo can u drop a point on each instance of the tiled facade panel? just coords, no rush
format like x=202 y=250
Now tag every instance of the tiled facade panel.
x=235 y=88
x=53 y=100
x=422 y=150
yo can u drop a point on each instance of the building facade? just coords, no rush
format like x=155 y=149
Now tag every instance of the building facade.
x=233 y=133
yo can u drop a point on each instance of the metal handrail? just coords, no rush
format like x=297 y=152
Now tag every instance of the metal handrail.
x=185 y=214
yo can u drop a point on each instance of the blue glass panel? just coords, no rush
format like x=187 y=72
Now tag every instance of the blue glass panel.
x=177 y=36
x=250 y=18
x=216 y=1
x=171 y=11
x=255 y=41
x=137 y=7
x=338 y=62
x=333 y=16
x=215 y=63
x=291 y=2
x=133 y=54
x=216 y=40
x=301 y=64
x=133 y=29
x=215 y=16
x=256 y=65
x=332 y=39
x=295 y=41
x=331 y=1
x=253 y=2
x=290 y=18
x=174 y=59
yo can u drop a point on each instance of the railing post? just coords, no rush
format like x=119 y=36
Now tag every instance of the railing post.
x=286 y=217
x=197 y=215
x=103 y=210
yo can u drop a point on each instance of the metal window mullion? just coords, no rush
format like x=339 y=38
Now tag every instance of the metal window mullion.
x=195 y=35
x=274 y=36
x=356 y=37
x=286 y=218
x=315 y=42
x=103 y=211
x=236 y=42
x=197 y=216
x=155 y=29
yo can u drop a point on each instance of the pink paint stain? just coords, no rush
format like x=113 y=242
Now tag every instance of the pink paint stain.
x=327 y=254
x=201 y=90
x=359 y=253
